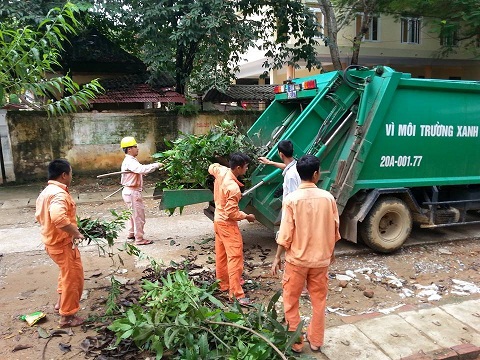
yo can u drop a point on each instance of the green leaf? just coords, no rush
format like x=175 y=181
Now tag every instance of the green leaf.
x=122 y=327
x=294 y=336
x=274 y=300
x=215 y=301
x=203 y=346
x=126 y=334
x=144 y=333
x=131 y=316
x=234 y=317
x=157 y=346
x=14 y=99
x=169 y=337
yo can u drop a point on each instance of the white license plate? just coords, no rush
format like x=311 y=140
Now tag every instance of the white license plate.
x=291 y=94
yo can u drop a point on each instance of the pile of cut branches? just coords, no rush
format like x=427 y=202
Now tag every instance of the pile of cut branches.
x=187 y=160
x=178 y=319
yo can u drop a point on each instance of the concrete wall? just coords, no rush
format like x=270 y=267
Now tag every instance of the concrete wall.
x=91 y=140
x=6 y=159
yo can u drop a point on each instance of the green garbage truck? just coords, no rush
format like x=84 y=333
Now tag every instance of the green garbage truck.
x=393 y=150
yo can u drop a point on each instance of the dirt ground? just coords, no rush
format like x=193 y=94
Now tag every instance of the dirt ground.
x=359 y=284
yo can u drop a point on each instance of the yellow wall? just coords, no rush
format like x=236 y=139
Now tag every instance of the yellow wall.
x=418 y=59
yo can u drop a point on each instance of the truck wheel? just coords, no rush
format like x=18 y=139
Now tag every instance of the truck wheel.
x=387 y=225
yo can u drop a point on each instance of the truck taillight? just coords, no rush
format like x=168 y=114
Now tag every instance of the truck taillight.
x=310 y=84
x=279 y=89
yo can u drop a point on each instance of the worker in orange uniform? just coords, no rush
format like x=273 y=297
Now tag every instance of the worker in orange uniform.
x=132 y=181
x=228 y=239
x=308 y=232
x=56 y=213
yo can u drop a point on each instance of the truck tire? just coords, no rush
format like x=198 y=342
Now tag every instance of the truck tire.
x=387 y=225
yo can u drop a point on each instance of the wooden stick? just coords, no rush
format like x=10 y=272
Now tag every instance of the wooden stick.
x=113 y=173
x=116 y=191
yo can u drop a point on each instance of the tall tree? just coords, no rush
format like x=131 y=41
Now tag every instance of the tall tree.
x=332 y=28
x=348 y=11
x=200 y=41
x=206 y=39
x=28 y=53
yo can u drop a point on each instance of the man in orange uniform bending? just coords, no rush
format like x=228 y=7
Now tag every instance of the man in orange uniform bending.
x=132 y=181
x=308 y=233
x=228 y=240
x=56 y=213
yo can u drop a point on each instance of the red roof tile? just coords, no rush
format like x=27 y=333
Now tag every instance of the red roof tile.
x=138 y=93
x=241 y=93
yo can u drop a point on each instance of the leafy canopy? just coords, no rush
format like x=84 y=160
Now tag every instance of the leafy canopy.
x=202 y=42
x=27 y=53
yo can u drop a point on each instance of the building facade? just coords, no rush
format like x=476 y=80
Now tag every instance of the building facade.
x=405 y=44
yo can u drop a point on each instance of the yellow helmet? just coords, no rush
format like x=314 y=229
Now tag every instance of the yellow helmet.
x=128 y=142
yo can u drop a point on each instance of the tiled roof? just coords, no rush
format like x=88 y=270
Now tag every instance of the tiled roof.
x=125 y=82
x=134 y=89
x=241 y=93
x=138 y=93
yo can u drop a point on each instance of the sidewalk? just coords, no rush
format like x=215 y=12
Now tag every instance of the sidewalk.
x=427 y=331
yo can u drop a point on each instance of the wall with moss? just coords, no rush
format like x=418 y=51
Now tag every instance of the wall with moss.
x=91 y=140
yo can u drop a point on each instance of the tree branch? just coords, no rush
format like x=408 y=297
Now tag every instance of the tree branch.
x=253 y=332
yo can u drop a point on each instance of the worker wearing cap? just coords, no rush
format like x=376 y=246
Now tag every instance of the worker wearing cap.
x=56 y=213
x=308 y=232
x=132 y=181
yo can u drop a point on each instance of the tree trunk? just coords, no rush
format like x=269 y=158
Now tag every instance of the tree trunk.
x=357 y=40
x=332 y=31
x=179 y=78
x=184 y=65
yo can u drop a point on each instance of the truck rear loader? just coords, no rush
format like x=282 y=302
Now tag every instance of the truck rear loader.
x=393 y=150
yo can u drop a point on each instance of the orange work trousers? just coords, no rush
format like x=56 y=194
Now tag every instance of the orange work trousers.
x=71 y=277
x=229 y=258
x=293 y=282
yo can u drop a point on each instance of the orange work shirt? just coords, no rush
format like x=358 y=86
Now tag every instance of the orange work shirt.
x=55 y=209
x=226 y=194
x=310 y=226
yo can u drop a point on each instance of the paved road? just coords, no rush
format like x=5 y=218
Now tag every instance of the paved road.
x=449 y=329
